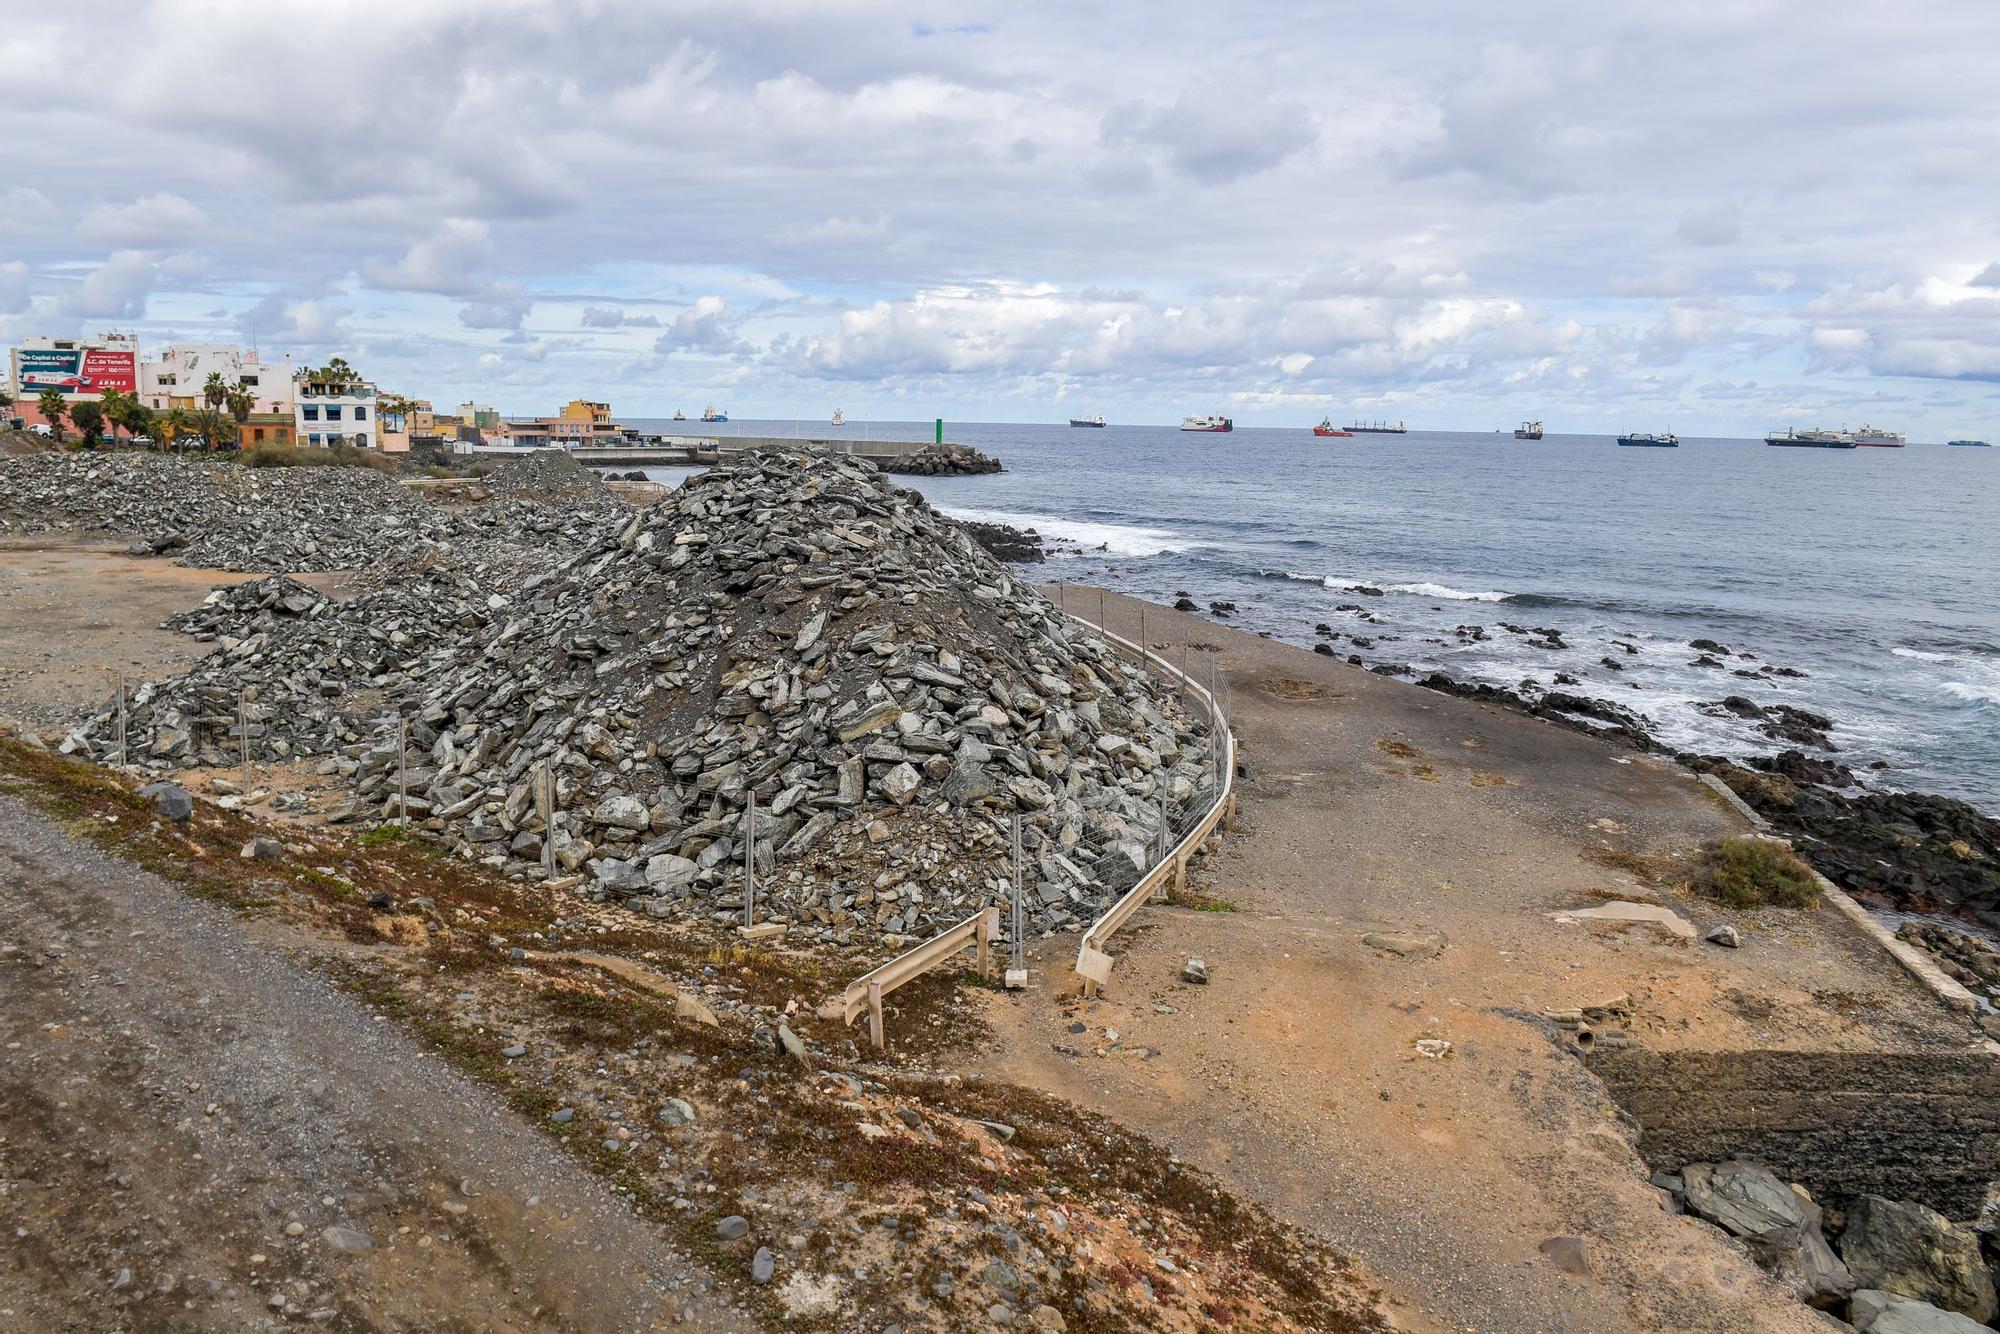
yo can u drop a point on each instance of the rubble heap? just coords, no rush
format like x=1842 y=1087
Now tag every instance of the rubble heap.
x=548 y=474
x=789 y=626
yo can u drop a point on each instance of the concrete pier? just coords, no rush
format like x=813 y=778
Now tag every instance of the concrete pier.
x=673 y=450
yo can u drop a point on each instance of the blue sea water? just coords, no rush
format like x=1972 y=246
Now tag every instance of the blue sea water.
x=1875 y=571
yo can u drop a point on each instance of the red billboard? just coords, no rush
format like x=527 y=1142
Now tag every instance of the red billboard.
x=84 y=372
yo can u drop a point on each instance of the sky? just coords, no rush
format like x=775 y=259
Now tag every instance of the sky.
x=1716 y=217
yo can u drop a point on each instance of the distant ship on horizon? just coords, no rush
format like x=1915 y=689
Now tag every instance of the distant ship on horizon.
x=1968 y=444
x=1199 y=422
x=1378 y=428
x=1097 y=420
x=1648 y=440
x=1325 y=427
x=1528 y=431
x=680 y=416
x=839 y=417
x=1877 y=438
x=711 y=413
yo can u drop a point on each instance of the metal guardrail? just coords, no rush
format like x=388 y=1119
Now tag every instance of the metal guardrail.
x=866 y=992
x=1093 y=965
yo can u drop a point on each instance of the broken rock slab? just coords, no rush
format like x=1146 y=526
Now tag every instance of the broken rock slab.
x=1425 y=944
x=1623 y=912
x=1874 y=1311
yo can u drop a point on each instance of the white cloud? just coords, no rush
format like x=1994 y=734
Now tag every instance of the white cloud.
x=151 y=220
x=616 y=317
x=705 y=327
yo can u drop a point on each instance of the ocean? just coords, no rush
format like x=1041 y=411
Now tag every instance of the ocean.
x=1874 y=571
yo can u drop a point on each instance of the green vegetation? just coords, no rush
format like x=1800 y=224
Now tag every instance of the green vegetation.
x=315 y=456
x=1756 y=873
x=54 y=407
x=88 y=418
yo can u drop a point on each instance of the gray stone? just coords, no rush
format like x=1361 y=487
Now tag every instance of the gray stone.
x=763 y=1265
x=1874 y=1311
x=562 y=1116
x=1742 y=1198
x=676 y=1112
x=1724 y=935
x=340 y=1237
x=170 y=800
x=618 y=877
x=733 y=1228
x=668 y=872
x=1195 y=971
x=900 y=784
x=619 y=811
x=1900 y=1247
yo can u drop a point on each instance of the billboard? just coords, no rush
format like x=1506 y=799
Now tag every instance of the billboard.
x=80 y=371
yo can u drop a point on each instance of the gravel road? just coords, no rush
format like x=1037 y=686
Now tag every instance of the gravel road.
x=199 y=1133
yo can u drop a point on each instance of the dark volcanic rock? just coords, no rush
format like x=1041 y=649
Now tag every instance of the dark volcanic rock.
x=1018 y=546
x=943 y=461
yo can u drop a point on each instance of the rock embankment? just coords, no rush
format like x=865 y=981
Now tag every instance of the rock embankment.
x=943 y=461
x=793 y=627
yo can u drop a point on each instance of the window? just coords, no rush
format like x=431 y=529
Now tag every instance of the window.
x=333 y=412
x=313 y=438
x=257 y=435
x=247 y=380
x=360 y=413
x=311 y=411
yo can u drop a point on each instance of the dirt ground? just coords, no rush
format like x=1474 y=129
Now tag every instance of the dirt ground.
x=197 y=1134
x=1296 y=1073
x=77 y=613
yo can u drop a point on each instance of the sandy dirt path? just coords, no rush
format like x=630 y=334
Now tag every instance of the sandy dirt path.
x=198 y=1133
x=1373 y=806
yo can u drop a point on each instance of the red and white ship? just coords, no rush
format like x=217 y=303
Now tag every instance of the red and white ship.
x=1325 y=427
x=1202 y=423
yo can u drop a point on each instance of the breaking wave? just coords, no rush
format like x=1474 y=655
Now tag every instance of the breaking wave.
x=1442 y=592
x=1116 y=539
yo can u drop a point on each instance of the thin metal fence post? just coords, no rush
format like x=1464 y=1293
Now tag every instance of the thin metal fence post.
x=1017 y=920
x=243 y=735
x=545 y=797
x=123 y=756
x=1142 y=635
x=1100 y=611
x=1184 y=674
x=402 y=770
x=750 y=862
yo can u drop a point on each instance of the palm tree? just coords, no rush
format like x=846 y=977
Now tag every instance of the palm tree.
x=241 y=403
x=54 y=407
x=114 y=404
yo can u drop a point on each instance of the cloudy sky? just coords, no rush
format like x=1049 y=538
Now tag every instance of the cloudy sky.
x=1716 y=216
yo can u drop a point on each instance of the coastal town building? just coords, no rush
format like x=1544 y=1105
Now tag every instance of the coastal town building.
x=266 y=428
x=177 y=377
x=335 y=407
x=481 y=415
x=80 y=369
x=581 y=423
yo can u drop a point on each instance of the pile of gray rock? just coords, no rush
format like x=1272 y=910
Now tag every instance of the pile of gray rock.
x=1901 y=1268
x=789 y=627
x=943 y=461
x=548 y=474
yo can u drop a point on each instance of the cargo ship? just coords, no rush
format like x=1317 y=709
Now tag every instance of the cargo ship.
x=1378 y=428
x=1877 y=438
x=1968 y=444
x=1098 y=420
x=711 y=413
x=1325 y=427
x=1647 y=440
x=1817 y=438
x=1203 y=423
x=1528 y=431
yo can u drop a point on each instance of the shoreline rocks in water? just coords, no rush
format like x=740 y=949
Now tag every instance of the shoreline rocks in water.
x=1003 y=542
x=943 y=461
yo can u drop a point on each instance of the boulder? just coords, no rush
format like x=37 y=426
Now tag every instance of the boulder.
x=1902 y=1247
x=1778 y=1223
x=1874 y=1311
x=171 y=800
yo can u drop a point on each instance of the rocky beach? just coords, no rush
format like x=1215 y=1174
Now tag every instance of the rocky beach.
x=522 y=759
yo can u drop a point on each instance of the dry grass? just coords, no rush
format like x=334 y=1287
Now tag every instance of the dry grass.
x=1755 y=873
x=309 y=456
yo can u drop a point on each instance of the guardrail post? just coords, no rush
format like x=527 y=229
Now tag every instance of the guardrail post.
x=1165 y=843
x=984 y=935
x=545 y=797
x=750 y=864
x=243 y=735
x=875 y=1015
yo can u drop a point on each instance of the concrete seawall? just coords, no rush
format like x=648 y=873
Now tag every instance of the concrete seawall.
x=1908 y=1125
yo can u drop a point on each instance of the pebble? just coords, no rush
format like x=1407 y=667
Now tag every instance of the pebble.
x=733 y=1227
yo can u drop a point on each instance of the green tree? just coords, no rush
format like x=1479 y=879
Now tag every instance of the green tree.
x=88 y=417
x=216 y=428
x=54 y=405
x=241 y=403
x=176 y=427
x=139 y=419
x=115 y=404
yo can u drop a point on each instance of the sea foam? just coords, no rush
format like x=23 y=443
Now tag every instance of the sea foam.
x=1442 y=592
x=1117 y=539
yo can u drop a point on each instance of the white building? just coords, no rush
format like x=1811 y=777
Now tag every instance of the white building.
x=335 y=411
x=176 y=378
